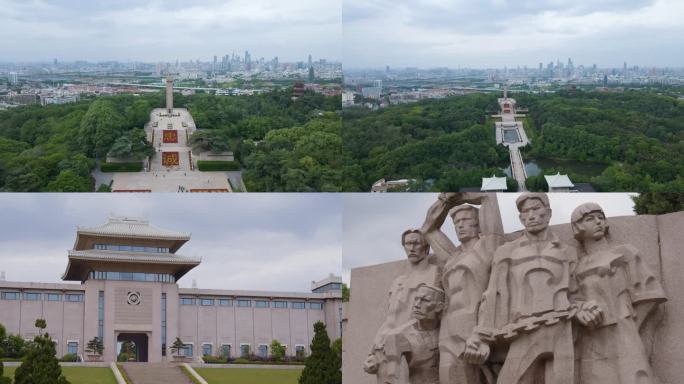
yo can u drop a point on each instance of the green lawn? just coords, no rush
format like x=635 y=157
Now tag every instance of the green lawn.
x=80 y=375
x=249 y=375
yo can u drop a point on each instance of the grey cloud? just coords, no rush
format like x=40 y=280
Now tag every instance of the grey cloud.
x=165 y=30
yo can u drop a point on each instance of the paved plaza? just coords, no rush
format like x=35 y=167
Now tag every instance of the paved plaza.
x=169 y=134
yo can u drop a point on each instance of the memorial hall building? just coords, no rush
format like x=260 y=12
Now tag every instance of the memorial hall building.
x=128 y=271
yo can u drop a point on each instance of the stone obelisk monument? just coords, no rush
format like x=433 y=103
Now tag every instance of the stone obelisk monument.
x=169 y=94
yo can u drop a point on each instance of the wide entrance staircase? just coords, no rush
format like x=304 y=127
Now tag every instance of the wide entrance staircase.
x=155 y=373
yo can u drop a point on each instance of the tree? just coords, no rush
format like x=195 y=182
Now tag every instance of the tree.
x=133 y=144
x=337 y=358
x=14 y=346
x=3 y=340
x=41 y=324
x=277 y=350
x=40 y=366
x=345 y=292
x=320 y=367
x=658 y=203
x=100 y=127
x=68 y=181
x=177 y=346
x=95 y=346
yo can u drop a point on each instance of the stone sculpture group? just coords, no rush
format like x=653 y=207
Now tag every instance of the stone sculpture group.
x=527 y=311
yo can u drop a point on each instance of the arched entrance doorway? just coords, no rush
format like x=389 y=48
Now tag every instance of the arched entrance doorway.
x=131 y=347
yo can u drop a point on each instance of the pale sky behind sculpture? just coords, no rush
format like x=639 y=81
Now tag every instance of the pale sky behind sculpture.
x=277 y=242
x=373 y=223
x=498 y=33
x=166 y=30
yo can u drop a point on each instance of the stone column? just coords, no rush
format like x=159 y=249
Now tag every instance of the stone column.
x=169 y=94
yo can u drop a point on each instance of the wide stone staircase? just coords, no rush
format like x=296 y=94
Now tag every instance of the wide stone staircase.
x=155 y=373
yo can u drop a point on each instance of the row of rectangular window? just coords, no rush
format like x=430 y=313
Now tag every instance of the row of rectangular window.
x=33 y=296
x=225 y=351
x=131 y=248
x=248 y=303
x=132 y=276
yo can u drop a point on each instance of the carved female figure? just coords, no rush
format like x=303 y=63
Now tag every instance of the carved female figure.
x=609 y=349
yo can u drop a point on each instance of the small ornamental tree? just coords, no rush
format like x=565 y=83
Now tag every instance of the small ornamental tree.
x=40 y=366
x=3 y=340
x=277 y=350
x=41 y=324
x=337 y=359
x=177 y=346
x=320 y=367
x=95 y=346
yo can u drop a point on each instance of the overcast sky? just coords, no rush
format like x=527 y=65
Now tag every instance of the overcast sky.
x=164 y=30
x=373 y=223
x=277 y=242
x=498 y=33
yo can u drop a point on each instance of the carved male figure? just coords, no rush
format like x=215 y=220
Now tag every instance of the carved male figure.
x=618 y=280
x=465 y=275
x=416 y=341
x=401 y=297
x=528 y=302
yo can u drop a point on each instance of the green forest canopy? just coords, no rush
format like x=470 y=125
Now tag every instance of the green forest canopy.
x=54 y=148
x=638 y=135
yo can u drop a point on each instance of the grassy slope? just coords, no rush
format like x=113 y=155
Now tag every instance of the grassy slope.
x=80 y=375
x=249 y=376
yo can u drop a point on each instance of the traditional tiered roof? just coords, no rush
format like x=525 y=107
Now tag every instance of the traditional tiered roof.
x=493 y=184
x=558 y=181
x=159 y=245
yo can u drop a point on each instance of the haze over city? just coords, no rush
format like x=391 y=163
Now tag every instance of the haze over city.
x=152 y=30
x=499 y=33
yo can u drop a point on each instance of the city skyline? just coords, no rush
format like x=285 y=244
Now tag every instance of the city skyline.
x=496 y=34
x=154 y=31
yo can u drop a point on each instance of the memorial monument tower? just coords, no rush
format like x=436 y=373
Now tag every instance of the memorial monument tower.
x=169 y=94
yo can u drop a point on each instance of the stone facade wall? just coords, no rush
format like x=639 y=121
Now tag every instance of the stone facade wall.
x=660 y=239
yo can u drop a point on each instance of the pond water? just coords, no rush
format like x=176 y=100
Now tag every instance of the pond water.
x=511 y=135
x=537 y=166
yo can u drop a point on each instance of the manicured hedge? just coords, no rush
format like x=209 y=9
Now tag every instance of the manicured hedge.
x=69 y=358
x=121 y=167
x=209 y=165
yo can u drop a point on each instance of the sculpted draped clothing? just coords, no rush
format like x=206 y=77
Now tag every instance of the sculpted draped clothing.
x=613 y=353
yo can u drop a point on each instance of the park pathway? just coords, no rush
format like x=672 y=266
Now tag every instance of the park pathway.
x=511 y=134
x=155 y=373
x=518 y=168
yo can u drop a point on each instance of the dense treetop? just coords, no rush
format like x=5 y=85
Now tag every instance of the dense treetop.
x=54 y=148
x=637 y=135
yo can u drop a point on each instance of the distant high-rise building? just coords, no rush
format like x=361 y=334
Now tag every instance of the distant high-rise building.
x=248 y=61
x=541 y=66
x=624 y=67
x=387 y=69
x=311 y=73
x=54 y=62
x=310 y=62
x=275 y=63
x=213 y=68
x=13 y=77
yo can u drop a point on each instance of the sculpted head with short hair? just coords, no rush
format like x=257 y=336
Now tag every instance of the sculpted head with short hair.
x=535 y=212
x=415 y=245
